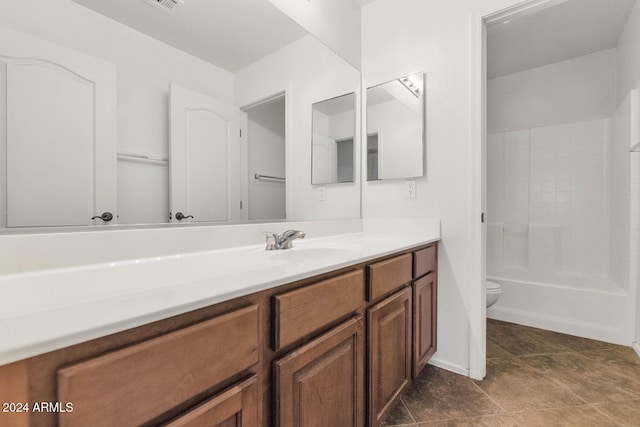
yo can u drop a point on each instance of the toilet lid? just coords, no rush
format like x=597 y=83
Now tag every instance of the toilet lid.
x=493 y=286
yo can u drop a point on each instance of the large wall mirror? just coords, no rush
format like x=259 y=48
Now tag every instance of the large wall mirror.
x=396 y=129
x=333 y=140
x=125 y=112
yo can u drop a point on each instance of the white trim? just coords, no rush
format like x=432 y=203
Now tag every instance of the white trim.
x=636 y=347
x=477 y=298
x=549 y=322
x=456 y=369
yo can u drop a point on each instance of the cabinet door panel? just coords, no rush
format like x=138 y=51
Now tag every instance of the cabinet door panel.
x=322 y=383
x=425 y=261
x=386 y=276
x=145 y=380
x=425 y=315
x=235 y=407
x=389 y=353
x=303 y=311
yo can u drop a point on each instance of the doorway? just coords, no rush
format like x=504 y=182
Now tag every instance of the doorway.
x=264 y=130
x=555 y=164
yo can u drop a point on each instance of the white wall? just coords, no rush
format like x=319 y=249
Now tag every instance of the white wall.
x=628 y=59
x=145 y=67
x=444 y=40
x=334 y=22
x=399 y=131
x=574 y=90
x=400 y=37
x=629 y=79
x=309 y=72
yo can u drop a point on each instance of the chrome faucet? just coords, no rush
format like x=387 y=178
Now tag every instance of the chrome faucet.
x=282 y=241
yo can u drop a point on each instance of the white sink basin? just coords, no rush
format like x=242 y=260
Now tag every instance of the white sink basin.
x=313 y=254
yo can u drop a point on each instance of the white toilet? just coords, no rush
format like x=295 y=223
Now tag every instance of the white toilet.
x=493 y=292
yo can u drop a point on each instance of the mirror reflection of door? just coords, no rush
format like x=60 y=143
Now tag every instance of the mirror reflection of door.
x=372 y=156
x=333 y=130
x=265 y=159
x=204 y=139
x=58 y=130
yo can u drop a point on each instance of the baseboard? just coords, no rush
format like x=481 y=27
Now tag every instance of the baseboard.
x=456 y=369
x=636 y=347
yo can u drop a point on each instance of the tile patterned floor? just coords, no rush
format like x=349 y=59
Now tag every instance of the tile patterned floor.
x=534 y=378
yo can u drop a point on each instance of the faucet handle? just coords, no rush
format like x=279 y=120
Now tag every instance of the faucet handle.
x=272 y=239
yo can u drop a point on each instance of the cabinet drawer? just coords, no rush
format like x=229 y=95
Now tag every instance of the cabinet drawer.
x=387 y=276
x=235 y=407
x=425 y=261
x=303 y=311
x=133 y=385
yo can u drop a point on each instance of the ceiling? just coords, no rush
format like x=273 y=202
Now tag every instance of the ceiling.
x=363 y=2
x=338 y=105
x=548 y=35
x=229 y=34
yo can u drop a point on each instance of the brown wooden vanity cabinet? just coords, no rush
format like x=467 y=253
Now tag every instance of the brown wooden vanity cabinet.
x=390 y=334
x=301 y=312
x=322 y=383
x=333 y=350
x=389 y=353
x=235 y=407
x=139 y=383
x=425 y=306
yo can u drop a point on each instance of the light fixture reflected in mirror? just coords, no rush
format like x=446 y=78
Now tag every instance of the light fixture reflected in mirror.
x=395 y=129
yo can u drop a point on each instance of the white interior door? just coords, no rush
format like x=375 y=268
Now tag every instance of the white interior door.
x=58 y=134
x=204 y=146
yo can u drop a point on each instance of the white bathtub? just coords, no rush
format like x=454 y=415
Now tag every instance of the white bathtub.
x=575 y=305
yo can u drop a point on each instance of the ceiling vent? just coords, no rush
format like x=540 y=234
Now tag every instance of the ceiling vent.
x=165 y=5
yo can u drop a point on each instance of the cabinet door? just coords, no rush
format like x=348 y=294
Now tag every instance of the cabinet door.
x=235 y=407
x=389 y=353
x=322 y=383
x=425 y=318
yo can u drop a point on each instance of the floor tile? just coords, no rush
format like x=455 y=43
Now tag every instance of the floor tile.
x=627 y=413
x=534 y=378
x=570 y=342
x=579 y=416
x=399 y=416
x=495 y=350
x=593 y=376
x=487 y=421
x=521 y=340
x=441 y=395
x=515 y=386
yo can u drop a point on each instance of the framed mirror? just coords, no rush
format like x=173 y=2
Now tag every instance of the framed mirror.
x=98 y=75
x=333 y=140
x=396 y=129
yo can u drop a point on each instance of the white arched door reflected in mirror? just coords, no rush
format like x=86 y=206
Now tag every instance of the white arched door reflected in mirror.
x=396 y=129
x=85 y=158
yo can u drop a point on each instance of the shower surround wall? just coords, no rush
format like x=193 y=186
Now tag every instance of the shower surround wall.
x=558 y=207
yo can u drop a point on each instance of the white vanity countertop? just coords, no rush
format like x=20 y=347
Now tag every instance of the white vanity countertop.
x=52 y=309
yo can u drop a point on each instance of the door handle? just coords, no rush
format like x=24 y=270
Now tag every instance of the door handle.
x=106 y=216
x=180 y=216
